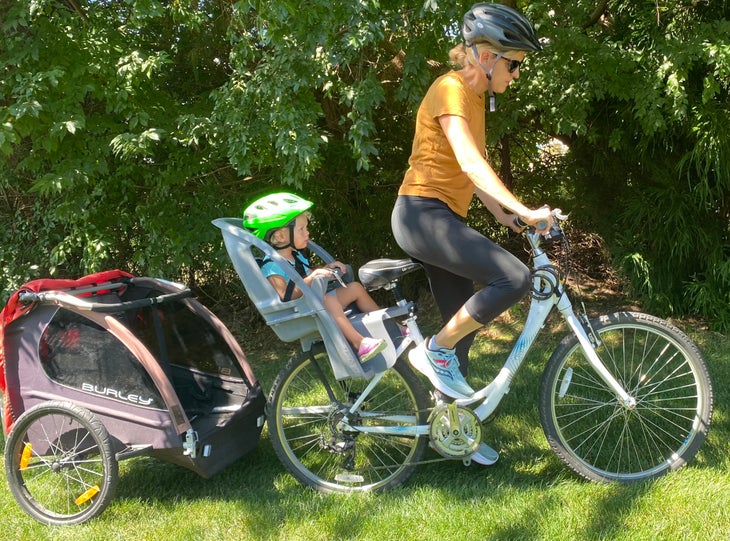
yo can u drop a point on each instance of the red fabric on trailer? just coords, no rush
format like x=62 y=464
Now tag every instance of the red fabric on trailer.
x=13 y=310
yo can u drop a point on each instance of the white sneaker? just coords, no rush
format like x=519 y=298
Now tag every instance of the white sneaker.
x=370 y=347
x=485 y=455
x=441 y=367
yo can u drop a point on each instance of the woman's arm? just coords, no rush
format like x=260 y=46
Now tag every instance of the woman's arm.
x=507 y=219
x=489 y=187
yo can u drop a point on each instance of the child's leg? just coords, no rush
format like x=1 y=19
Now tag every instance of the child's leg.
x=366 y=347
x=334 y=307
x=355 y=292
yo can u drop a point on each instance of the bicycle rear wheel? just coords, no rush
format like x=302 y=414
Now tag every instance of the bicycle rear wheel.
x=602 y=439
x=59 y=463
x=306 y=405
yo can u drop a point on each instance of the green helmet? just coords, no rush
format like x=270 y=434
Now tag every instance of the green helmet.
x=272 y=212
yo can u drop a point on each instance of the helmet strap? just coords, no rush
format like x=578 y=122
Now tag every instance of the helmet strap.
x=290 y=227
x=488 y=73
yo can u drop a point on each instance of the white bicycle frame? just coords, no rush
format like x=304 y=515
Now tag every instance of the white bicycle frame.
x=540 y=307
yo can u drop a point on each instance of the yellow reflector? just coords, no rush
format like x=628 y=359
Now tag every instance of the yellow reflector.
x=25 y=455
x=86 y=496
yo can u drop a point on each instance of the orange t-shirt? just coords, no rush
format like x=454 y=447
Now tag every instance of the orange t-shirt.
x=433 y=170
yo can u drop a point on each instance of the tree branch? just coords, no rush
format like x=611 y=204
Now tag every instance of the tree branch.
x=75 y=6
x=596 y=15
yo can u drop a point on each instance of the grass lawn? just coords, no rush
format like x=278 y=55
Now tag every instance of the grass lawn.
x=527 y=495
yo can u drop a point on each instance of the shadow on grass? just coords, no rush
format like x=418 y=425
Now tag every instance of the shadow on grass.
x=258 y=485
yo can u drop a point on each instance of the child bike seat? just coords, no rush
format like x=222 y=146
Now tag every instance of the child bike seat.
x=304 y=319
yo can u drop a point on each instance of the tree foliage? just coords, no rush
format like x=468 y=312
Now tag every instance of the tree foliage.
x=641 y=97
x=126 y=126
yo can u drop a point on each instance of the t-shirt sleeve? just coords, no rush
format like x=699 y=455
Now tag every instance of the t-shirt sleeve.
x=269 y=269
x=446 y=97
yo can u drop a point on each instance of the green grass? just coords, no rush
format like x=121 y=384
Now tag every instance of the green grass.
x=527 y=495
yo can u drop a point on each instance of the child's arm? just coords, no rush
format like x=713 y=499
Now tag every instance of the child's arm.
x=280 y=283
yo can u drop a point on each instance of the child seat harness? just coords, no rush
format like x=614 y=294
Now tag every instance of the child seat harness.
x=301 y=265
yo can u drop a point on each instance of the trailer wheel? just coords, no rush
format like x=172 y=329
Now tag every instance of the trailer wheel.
x=59 y=463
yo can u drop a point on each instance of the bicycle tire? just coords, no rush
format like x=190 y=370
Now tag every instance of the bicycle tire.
x=598 y=437
x=59 y=464
x=303 y=428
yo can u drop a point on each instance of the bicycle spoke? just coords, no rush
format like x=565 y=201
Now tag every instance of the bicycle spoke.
x=660 y=369
x=328 y=449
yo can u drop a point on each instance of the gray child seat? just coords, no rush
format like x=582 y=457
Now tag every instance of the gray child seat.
x=306 y=319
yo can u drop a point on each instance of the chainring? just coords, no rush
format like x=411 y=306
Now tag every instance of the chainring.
x=455 y=432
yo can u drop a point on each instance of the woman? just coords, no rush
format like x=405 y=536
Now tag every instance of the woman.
x=446 y=168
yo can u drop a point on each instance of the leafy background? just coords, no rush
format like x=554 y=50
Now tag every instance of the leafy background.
x=127 y=126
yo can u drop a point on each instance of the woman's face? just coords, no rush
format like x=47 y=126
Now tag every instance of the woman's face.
x=505 y=69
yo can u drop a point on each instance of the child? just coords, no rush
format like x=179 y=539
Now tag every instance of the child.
x=281 y=219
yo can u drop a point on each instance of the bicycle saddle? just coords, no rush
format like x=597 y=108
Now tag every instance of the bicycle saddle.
x=380 y=272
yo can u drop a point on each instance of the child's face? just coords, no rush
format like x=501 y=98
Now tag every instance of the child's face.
x=301 y=233
x=280 y=237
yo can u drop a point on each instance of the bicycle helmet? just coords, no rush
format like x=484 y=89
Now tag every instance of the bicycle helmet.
x=274 y=211
x=503 y=28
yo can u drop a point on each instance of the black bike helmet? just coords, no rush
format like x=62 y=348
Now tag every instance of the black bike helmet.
x=503 y=28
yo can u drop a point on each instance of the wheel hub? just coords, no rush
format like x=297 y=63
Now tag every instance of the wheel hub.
x=340 y=439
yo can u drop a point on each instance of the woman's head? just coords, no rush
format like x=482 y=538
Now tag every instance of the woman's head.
x=498 y=27
x=496 y=38
x=276 y=212
x=461 y=55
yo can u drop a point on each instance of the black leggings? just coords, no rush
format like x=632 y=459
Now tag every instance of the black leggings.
x=456 y=257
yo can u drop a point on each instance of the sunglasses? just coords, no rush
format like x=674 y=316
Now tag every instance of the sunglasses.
x=513 y=65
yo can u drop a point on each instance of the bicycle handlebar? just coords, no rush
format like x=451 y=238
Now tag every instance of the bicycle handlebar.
x=555 y=230
x=542 y=224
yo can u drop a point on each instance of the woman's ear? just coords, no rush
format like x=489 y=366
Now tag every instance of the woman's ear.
x=484 y=57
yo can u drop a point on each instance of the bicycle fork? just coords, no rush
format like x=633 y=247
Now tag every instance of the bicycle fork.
x=589 y=350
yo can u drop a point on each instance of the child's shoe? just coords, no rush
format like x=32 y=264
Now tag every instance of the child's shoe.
x=370 y=347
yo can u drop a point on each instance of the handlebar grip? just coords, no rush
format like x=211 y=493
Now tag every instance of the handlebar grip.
x=27 y=297
x=542 y=224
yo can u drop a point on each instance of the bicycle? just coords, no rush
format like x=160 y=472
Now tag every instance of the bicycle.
x=624 y=397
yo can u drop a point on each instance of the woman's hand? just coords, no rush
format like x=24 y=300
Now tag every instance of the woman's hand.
x=541 y=219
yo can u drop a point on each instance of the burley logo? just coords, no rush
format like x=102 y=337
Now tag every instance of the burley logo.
x=113 y=393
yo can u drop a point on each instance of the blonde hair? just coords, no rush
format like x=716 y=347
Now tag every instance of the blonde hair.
x=461 y=55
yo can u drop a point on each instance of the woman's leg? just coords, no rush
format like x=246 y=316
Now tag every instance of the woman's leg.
x=450 y=293
x=455 y=254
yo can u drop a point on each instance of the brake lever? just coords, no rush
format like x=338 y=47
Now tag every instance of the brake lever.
x=336 y=274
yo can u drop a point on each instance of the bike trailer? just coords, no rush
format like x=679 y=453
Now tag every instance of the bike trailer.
x=160 y=372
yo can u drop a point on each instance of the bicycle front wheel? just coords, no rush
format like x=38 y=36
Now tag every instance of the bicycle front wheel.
x=601 y=438
x=59 y=463
x=306 y=408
